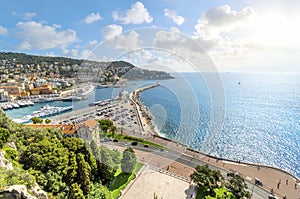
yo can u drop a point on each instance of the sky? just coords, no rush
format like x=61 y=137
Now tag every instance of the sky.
x=242 y=36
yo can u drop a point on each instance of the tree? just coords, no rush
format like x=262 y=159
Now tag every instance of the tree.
x=4 y=135
x=107 y=125
x=84 y=171
x=203 y=175
x=37 y=120
x=47 y=121
x=75 y=192
x=237 y=185
x=107 y=167
x=128 y=161
x=46 y=155
x=54 y=183
x=72 y=169
x=99 y=191
x=113 y=130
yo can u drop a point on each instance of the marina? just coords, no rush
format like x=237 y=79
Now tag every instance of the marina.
x=45 y=111
x=16 y=104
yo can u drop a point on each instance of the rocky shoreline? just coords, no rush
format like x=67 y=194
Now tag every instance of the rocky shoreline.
x=144 y=115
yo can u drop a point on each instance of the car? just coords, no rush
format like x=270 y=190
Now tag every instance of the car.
x=134 y=143
x=258 y=182
x=272 y=197
x=146 y=145
x=115 y=140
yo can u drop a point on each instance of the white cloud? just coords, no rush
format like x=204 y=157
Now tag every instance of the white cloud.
x=111 y=31
x=125 y=42
x=137 y=14
x=73 y=53
x=245 y=37
x=93 y=17
x=39 y=36
x=223 y=31
x=3 y=30
x=223 y=20
x=179 y=20
x=173 y=40
x=26 y=16
x=91 y=44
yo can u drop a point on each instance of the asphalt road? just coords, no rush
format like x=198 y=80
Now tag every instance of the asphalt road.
x=257 y=192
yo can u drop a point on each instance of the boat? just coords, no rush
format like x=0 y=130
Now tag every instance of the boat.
x=100 y=86
x=100 y=103
x=4 y=107
x=15 y=105
x=21 y=104
x=73 y=98
x=85 y=90
x=9 y=106
x=30 y=103
x=45 y=111
x=42 y=99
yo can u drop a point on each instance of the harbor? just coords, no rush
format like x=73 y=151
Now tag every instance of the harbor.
x=45 y=111
x=16 y=104
x=133 y=118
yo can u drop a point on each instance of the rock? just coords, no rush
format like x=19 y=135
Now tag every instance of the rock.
x=16 y=192
x=4 y=162
x=38 y=192
x=21 y=192
x=12 y=145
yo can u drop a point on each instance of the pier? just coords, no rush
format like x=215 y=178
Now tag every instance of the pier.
x=144 y=117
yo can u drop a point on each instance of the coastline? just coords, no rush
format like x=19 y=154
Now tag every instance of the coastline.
x=145 y=117
x=269 y=175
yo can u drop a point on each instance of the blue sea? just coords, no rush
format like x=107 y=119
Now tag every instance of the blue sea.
x=253 y=117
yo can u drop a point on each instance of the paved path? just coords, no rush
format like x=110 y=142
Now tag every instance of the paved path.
x=179 y=166
x=163 y=185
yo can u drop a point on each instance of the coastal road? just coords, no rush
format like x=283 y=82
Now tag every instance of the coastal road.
x=257 y=192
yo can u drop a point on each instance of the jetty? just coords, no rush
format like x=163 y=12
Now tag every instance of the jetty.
x=144 y=115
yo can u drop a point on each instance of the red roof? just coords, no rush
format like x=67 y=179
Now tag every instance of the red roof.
x=65 y=128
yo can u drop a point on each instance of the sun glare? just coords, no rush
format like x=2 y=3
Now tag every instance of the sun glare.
x=276 y=30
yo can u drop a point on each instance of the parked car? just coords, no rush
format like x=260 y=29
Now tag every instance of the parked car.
x=134 y=143
x=258 y=182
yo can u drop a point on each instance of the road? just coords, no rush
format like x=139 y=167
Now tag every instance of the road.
x=257 y=192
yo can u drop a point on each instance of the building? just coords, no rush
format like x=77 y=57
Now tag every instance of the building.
x=12 y=90
x=3 y=95
x=40 y=82
x=45 y=89
x=67 y=129
x=88 y=130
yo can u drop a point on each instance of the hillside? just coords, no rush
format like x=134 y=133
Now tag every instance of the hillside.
x=62 y=166
x=20 y=63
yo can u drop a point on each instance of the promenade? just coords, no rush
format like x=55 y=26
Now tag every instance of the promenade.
x=133 y=118
x=281 y=182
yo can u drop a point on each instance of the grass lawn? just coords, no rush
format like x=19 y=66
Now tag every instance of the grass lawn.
x=122 y=180
x=129 y=138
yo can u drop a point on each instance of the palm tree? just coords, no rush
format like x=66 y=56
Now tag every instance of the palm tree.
x=113 y=130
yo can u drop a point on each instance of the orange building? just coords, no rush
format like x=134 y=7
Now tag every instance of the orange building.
x=43 y=90
x=12 y=90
